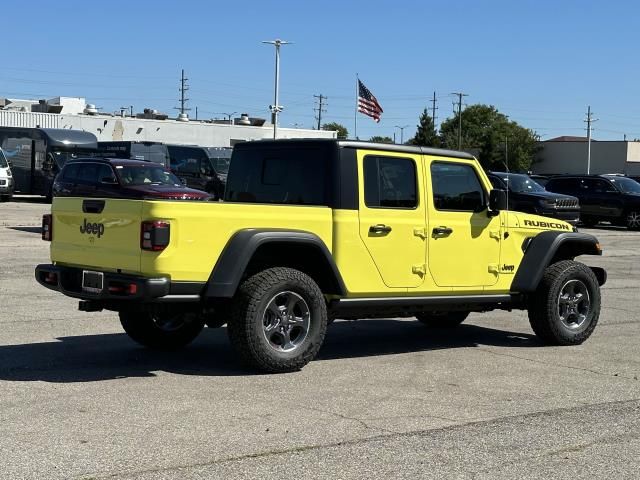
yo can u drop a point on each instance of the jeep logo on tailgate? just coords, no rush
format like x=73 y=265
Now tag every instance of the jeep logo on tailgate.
x=92 y=228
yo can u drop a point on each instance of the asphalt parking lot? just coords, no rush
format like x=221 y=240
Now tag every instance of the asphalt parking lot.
x=385 y=399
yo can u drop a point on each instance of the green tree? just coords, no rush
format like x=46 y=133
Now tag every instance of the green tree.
x=343 y=133
x=426 y=134
x=379 y=139
x=492 y=137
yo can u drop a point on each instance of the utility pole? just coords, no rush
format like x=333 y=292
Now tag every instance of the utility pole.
x=401 y=133
x=460 y=95
x=275 y=108
x=433 y=112
x=589 y=120
x=320 y=108
x=183 y=100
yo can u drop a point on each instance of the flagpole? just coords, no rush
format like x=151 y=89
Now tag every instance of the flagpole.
x=355 y=116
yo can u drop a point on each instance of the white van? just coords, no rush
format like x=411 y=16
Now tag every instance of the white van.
x=6 y=179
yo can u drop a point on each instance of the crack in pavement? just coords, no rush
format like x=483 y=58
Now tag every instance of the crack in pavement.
x=359 y=441
x=541 y=362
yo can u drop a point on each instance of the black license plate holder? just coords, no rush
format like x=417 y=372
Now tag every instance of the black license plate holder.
x=92 y=282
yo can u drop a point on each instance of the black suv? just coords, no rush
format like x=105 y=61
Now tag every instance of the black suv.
x=195 y=166
x=121 y=178
x=525 y=195
x=611 y=198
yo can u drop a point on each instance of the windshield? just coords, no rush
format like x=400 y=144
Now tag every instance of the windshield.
x=521 y=184
x=221 y=165
x=137 y=175
x=626 y=185
x=3 y=160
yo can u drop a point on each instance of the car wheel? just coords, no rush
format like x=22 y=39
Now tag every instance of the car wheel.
x=278 y=321
x=442 y=319
x=633 y=220
x=565 y=308
x=162 y=331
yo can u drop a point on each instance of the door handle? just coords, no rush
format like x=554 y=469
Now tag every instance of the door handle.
x=442 y=231
x=379 y=228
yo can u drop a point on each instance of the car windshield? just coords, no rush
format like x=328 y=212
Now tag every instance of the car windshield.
x=3 y=160
x=521 y=184
x=626 y=185
x=221 y=165
x=135 y=175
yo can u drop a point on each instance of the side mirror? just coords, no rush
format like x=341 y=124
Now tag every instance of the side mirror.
x=497 y=200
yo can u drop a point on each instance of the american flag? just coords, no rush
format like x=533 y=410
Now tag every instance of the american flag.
x=367 y=103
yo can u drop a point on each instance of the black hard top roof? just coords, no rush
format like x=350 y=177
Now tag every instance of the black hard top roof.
x=61 y=137
x=387 y=147
x=116 y=162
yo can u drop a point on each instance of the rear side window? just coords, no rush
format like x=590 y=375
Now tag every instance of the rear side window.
x=88 y=173
x=456 y=187
x=390 y=182
x=563 y=185
x=294 y=176
x=71 y=172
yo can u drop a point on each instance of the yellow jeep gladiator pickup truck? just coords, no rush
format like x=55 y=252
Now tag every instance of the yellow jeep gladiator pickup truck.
x=311 y=230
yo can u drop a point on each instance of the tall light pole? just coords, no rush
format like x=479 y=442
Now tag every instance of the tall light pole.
x=401 y=132
x=275 y=108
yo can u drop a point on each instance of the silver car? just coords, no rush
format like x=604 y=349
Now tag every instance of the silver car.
x=6 y=179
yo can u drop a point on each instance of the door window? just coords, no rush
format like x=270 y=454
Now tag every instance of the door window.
x=456 y=187
x=390 y=182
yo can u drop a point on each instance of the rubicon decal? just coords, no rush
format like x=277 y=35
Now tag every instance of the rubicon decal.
x=536 y=223
x=89 y=228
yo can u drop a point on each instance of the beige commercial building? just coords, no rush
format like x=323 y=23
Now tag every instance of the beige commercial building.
x=569 y=155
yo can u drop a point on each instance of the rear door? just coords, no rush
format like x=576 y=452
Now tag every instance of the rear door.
x=95 y=233
x=392 y=216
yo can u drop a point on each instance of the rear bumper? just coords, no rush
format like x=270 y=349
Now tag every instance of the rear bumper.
x=118 y=287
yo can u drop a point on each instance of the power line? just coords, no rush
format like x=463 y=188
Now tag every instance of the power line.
x=320 y=108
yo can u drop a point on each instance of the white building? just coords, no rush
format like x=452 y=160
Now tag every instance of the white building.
x=76 y=114
x=569 y=155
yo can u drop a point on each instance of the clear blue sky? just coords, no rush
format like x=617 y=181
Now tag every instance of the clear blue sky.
x=540 y=62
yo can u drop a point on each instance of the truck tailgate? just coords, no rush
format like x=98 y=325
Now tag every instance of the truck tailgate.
x=102 y=234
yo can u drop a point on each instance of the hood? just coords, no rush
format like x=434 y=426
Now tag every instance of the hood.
x=537 y=222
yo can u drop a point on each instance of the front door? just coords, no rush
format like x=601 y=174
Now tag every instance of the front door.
x=392 y=216
x=464 y=241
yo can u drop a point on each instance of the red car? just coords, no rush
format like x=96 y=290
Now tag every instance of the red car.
x=120 y=178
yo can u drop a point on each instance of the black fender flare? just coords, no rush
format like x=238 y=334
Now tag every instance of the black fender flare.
x=546 y=246
x=236 y=255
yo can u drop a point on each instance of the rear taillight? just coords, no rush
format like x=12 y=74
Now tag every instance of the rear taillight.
x=154 y=235
x=47 y=227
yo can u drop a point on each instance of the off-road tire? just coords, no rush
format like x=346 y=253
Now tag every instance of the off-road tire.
x=632 y=220
x=153 y=330
x=442 y=319
x=246 y=328
x=544 y=305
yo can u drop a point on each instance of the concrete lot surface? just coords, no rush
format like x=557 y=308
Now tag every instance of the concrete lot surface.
x=385 y=399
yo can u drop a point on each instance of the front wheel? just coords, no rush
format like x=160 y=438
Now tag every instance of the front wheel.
x=565 y=308
x=442 y=319
x=278 y=321
x=162 y=331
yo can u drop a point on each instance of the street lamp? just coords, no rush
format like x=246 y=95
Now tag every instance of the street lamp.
x=275 y=108
x=401 y=132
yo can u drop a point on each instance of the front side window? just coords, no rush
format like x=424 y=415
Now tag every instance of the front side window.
x=456 y=187
x=390 y=182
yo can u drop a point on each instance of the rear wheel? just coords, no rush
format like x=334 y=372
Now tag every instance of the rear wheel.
x=278 y=321
x=633 y=220
x=442 y=319
x=566 y=306
x=162 y=331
